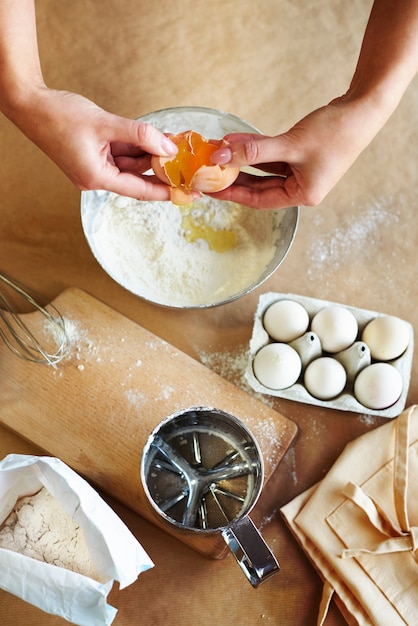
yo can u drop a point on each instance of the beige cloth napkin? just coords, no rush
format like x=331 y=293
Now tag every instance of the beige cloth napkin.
x=359 y=526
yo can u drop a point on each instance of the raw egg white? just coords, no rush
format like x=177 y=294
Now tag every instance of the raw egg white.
x=378 y=386
x=387 y=337
x=285 y=320
x=325 y=378
x=336 y=328
x=277 y=366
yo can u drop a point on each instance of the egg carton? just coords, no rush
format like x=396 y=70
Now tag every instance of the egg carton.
x=345 y=401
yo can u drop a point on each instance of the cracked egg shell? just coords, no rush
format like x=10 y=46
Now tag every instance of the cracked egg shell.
x=191 y=168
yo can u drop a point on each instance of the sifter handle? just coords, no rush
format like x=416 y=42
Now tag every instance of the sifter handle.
x=250 y=550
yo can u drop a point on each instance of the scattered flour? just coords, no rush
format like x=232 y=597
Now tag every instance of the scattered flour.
x=78 y=341
x=136 y=398
x=143 y=246
x=289 y=462
x=359 y=234
x=368 y=420
x=231 y=365
x=38 y=527
x=228 y=364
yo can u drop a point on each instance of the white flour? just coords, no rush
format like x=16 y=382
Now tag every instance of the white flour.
x=143 y=246
x=38 y=527
x=354 y=236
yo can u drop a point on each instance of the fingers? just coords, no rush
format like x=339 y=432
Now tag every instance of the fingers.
x=262 y=192
x=140 y=188
x=137 y=165
x=123 y=149
x=140 y=134
x=266 y=199
x=249 y=149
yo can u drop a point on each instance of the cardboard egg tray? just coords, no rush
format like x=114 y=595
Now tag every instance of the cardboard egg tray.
x=345 y=401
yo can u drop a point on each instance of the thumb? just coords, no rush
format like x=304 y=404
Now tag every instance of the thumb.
x=141 y=134
x=248 y=149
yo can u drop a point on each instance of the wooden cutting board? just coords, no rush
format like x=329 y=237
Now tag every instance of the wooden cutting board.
x=96 y=410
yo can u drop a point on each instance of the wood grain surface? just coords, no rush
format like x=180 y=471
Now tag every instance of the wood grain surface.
x=97 y=407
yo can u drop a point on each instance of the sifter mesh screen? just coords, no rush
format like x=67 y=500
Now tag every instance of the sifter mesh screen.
x=201 y=477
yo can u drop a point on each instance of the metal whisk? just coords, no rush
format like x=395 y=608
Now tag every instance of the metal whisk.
x=47 y=347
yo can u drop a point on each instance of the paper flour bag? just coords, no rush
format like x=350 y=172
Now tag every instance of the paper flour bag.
x=61 y=546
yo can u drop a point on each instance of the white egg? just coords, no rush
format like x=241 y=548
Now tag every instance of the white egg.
x=277 y=366
x=378 y=386
x=336 y=328
x=285 y=320
x=325 y=378
x=387 y=337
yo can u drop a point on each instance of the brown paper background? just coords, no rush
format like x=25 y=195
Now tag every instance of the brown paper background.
x=269 y=62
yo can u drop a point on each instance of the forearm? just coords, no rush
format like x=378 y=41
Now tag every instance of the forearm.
x=388 y=59
x=20 y=69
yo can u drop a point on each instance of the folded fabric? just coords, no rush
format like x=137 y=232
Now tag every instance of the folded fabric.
x=359 y=526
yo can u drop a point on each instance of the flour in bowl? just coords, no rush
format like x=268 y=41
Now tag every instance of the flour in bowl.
x=211 y=253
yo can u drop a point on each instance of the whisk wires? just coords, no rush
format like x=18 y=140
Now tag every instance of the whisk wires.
x=23 y=341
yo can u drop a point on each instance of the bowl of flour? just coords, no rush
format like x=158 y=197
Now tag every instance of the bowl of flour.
x=203 y=255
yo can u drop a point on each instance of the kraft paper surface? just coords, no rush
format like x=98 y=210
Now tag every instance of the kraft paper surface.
x=271 y=63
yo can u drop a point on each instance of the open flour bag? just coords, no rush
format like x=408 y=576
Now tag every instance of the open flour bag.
x=61 y=546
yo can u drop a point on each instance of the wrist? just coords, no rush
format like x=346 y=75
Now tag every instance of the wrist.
x=380 y=96
x=369 y=106
x=17 y=96
x=21 y=103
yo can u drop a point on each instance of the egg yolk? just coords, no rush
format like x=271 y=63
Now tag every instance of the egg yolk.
x=194 y=152
x=218 y=240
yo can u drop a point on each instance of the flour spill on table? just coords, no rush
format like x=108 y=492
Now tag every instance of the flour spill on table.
x=136 y=398
x=368 y=420
x=355 y=237
x=79 y=341
x=267 y=519
x=84 y=353
x=231 y=364
x=289 y=462
x=79 y=346
x=82 y=350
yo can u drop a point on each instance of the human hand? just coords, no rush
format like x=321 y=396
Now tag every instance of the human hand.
x=94 y=148
x=303 y=164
